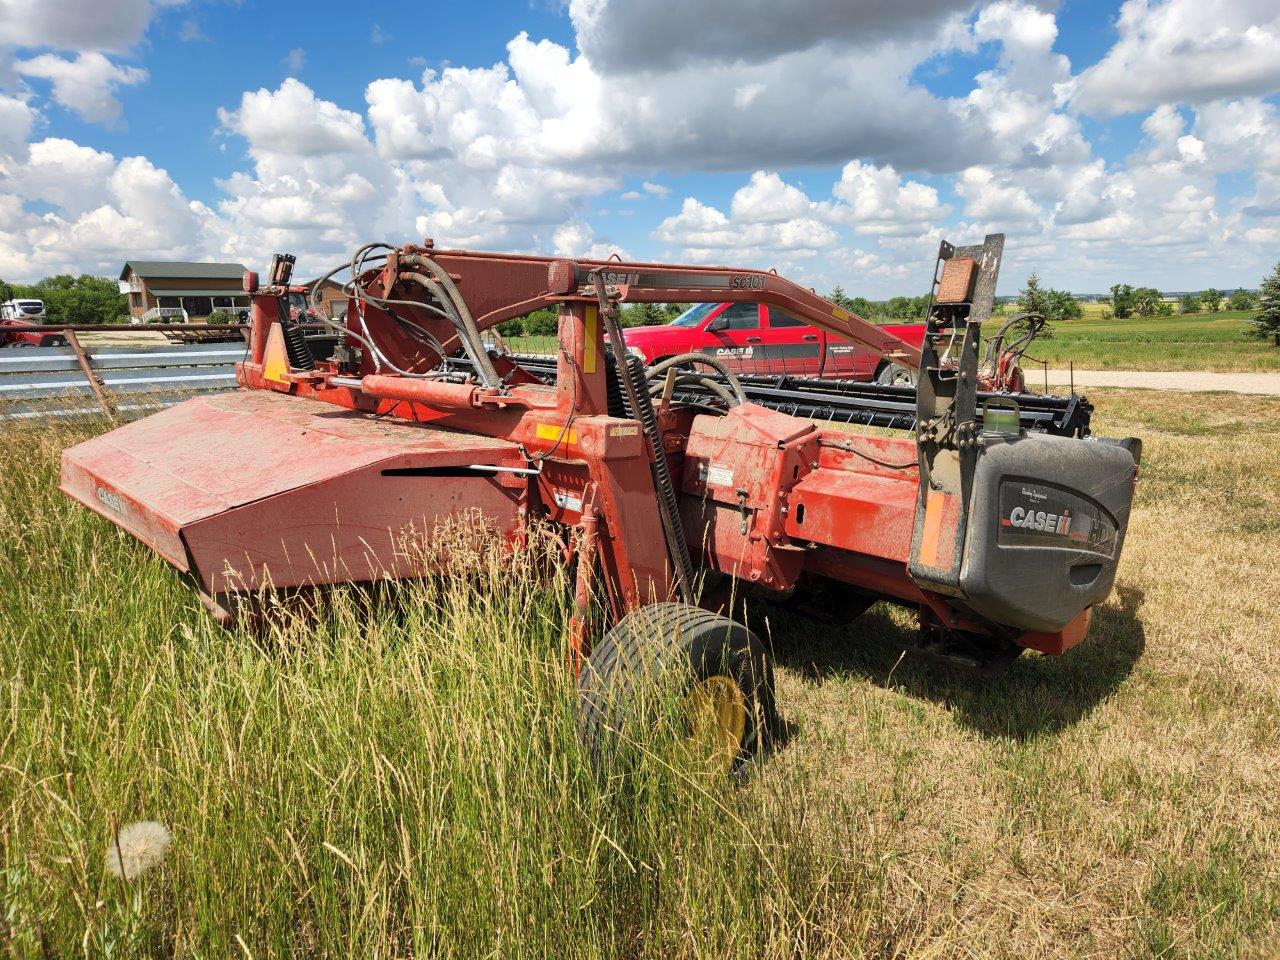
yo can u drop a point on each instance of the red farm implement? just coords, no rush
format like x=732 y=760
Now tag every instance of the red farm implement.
x=1000 y=521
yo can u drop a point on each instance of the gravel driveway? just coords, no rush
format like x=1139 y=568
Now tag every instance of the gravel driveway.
x=1265 y=383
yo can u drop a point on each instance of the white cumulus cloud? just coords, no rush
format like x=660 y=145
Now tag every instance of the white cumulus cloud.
x=85 y=85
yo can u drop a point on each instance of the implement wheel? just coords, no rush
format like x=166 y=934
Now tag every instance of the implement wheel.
x=713 y=670
x=895 y=375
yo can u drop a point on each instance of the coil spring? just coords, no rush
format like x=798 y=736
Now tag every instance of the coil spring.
x=295 y=345
x=648 y=418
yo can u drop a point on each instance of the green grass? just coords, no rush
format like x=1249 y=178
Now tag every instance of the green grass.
x=403 y=779
x=543 y=345
x=1205 y=341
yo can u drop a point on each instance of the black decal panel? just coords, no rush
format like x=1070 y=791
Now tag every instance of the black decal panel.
x=1039 y=515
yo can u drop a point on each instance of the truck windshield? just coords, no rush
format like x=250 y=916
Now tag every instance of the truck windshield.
x=694 y=315
x=31 y=306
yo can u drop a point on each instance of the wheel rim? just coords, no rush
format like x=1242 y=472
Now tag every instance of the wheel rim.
x=717 y=711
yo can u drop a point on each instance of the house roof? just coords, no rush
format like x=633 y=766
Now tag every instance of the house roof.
x=329 y=283
x=175 y=269
x=211 y=292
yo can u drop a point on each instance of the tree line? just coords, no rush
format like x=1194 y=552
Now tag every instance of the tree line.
x=70 y=299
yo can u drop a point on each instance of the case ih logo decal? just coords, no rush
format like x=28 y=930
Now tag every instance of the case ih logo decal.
x=110 y=500
x=1045 y=517
x=1039 y=520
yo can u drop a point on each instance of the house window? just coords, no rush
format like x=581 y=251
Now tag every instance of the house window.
x=170 y=302
x=222 y=303
x=198 y=306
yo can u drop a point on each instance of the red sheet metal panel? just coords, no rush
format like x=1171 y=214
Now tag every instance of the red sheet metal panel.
x=207 y=459
x=857 y=512
x=738 y=471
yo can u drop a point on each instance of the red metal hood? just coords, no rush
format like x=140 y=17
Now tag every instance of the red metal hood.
x=228 y=487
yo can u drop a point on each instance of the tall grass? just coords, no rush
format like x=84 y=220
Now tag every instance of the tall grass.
x=403 y=778
x=377 y=779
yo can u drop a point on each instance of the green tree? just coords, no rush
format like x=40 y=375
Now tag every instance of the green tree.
x=1053 y=304
x=907 y=308
x=1032 y=298
x=1121 y=301
x=1146 y=301
x=644 y=315
x=82 y=299
x=859 y=305
x=1267 y=319
x=1189 y=303
x=840 y=298
x=1242 y=300
x=1212 y=299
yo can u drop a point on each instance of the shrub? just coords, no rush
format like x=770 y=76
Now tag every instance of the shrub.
x=541 y=323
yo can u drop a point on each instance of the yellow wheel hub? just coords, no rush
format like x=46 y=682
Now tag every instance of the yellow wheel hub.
x=717 y=711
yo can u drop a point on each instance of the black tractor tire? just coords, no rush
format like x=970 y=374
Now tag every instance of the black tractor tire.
x=895 y=375
x=719 y=667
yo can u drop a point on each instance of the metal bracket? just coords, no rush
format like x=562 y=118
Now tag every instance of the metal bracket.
x=948 y=438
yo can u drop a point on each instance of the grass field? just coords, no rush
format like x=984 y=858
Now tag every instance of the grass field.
x=1205 y=341
x=406 y=782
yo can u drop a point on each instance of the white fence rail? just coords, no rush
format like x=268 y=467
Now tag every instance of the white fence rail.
x=49 y=382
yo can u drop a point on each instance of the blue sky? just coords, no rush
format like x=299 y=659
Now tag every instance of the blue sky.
x=836 y=141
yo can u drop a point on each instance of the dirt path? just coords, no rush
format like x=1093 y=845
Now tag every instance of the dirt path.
x=1264 y=383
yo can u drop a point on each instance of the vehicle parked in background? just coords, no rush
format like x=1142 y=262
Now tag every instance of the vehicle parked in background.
x=24 y=311
x=757 y=338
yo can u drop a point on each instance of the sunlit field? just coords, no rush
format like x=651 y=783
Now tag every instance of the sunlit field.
x=399 y=775
x=1199 y=341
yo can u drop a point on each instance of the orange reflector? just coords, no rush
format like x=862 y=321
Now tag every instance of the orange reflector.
x=555 y=433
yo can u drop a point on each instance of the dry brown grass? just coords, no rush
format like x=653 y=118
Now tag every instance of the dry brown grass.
x=1119 y=801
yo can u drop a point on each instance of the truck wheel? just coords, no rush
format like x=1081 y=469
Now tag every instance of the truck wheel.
x=711 y=672
x=895 y=375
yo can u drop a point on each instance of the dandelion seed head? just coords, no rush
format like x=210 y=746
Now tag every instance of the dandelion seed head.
x=137 y=848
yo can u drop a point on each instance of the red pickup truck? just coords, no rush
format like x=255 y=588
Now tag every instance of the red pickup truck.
x=758 y=338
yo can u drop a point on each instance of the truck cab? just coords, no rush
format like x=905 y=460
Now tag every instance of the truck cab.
x=763 y=339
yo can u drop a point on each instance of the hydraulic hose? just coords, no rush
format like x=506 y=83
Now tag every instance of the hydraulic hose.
x=472 y=346
x=661 y=367
x=706 y=383
x=467 y=323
